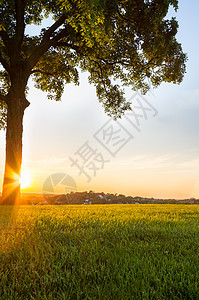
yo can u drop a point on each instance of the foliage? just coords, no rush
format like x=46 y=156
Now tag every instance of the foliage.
x=3 y=115
x=118 y=42
x=99 y=252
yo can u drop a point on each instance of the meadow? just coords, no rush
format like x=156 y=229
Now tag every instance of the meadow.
x=99 y=252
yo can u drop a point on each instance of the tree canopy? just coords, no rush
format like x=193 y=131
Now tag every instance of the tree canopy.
x=119 y=42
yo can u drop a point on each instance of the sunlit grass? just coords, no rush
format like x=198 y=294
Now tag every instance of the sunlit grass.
x=100 y=252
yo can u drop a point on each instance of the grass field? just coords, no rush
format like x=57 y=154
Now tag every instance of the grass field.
x=99 y=252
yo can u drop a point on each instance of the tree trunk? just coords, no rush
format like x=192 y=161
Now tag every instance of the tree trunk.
x=16 y=105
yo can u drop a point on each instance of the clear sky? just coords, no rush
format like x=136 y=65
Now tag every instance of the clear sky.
x=161 y=160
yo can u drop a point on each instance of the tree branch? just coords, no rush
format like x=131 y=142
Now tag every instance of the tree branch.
x=42 y=72
x=65 y=44
x=59 y=36
x=4 y=36
x=20 y=25
x=46 y=42
x=54 y=27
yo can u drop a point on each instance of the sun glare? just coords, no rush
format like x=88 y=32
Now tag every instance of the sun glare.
x=25 y=180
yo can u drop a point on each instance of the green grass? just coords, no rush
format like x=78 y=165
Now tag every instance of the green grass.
x=99 y=252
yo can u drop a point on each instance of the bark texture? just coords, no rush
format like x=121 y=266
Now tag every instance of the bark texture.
x=16 y=104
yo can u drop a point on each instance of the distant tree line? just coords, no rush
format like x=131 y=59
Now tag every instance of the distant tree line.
x=91 y=197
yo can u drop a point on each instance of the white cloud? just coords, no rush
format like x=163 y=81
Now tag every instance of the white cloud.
x=141 y=162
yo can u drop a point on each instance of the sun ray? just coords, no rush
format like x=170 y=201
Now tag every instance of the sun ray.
x=25 y=180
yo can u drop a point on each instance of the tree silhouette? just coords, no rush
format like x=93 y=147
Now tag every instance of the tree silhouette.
x=126 y=41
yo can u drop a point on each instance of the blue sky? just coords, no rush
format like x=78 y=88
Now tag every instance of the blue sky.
x=162 y=160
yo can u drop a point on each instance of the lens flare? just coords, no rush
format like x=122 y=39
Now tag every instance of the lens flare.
x=25 y=180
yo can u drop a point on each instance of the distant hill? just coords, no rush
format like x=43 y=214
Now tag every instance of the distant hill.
x=89 y=198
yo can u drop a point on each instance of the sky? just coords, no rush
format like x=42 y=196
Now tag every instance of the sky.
x=74 y=145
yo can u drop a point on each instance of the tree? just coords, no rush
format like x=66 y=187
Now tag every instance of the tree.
x=119 y=42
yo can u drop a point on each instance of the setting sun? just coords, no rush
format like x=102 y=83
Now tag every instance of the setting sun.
x=25 y=180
